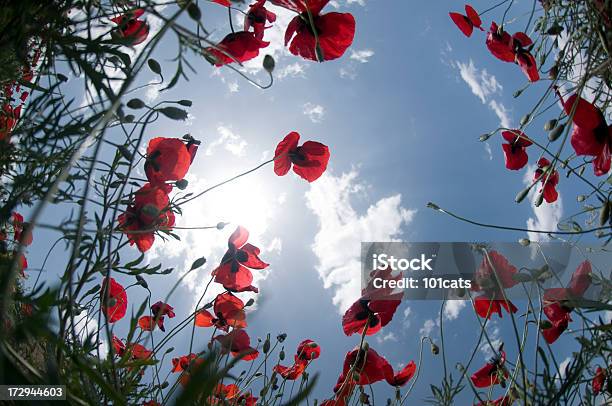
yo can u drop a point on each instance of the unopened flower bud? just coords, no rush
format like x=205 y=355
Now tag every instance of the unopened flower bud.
x=522 y=195
x=435 y=350
x=525 y=119
x=182 y=184
x=268 y=63
x=580 y=198
x=550 y=124
x=266 y=345
x=140 y=280
x=221 y=225
x=556 y=133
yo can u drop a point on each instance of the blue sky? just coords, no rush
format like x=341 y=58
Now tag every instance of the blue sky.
x=401 y=112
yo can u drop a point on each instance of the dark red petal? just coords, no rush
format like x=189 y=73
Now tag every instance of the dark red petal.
x=522 y=39
x=516 y=137
x=528 y=65
x=601 y=164
x=405 y=375
x=253 y=260
x=473 y=16
x=236 y=281
x=586 y=115
x=316 y=158
x=486 y=307
x=516 y=159
x=500 y=45
x=463 y=22
x=282 y=162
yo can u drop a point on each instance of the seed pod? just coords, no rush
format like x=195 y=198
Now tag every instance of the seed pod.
x=556 y=132
x=524 y=242
x=580 y=198
x=525 y=119
x=550 y=124
x=269 y=63
x=182 y=184
x=266 y=345
x=522 y=195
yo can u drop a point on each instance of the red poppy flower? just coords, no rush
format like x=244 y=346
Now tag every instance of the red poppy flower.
x=23 y=264
x=466 y=23
x=149 y=212
x=139 y=351
x=229 y=312
x=500 y=43
x=234 y=273
x=375 y=313
x=405 y=375
x=549 y=180
x=513 y=49
x=182 y=363
x=293 y=372
x=118 y=346
x=558 y=302
x=131 y=28
x=591 y=135
x=494 y=274
x=491 y=373
x=237 y=342
x=224 y=393
x=226 y=3
x=257 y=17
x=367 y=365
x=167 y=159
x=515 y=150
x=159 y=311
x=242 y=46
x=19 y=226
x=598 y=380
x=115 y=306
x=151 y=403
x=308 y=350
x=309 y=160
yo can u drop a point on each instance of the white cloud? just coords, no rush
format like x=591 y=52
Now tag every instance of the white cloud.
x=563 y=369
x=348 y=72
x=484 y=86
x=295 y=69
x=233 y=86
x=152 y=92
x=315 y=112
x=231 y=141
x=452 y=308
x=493 y=334
x=362 y=56
x=480 y=82
x=501 y=112
x=381 y=338
x=427 y=328
x=342 y=229
x=547 y=215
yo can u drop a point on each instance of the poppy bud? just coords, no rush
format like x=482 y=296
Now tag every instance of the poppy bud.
x=135 y=104
x=556 y=132
x=281 y=337
x=522 y=194
x=433 y=206
x=263 y=392
x=435 y=350
x=142 y=282
x=517 y=93
x=539 y=199
x=604 y=214
x=221 y=225
x=524 y=242
x=182 y=184
x=194 y=11
x=154 y=66
x=169 y=350
x=281 y=355
x=580 y=198
x=550 y=124
x=484 y=137
x=266 y=345
x=249 y=302
x=269 y=63
x=525 y=119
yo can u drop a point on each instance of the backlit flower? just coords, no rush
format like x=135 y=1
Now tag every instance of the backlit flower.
x=234 y=273
x=228 y=312
x=492 y=373
x=332 y=32
x=238 y=343
x=114 y=300
x=256 y=17
x=240 y=46
x=167 y=159
x=467 y=22
x=309 y=160
x=131 y=28
x=494 y=274
x=515 y=153
x=549 y=179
